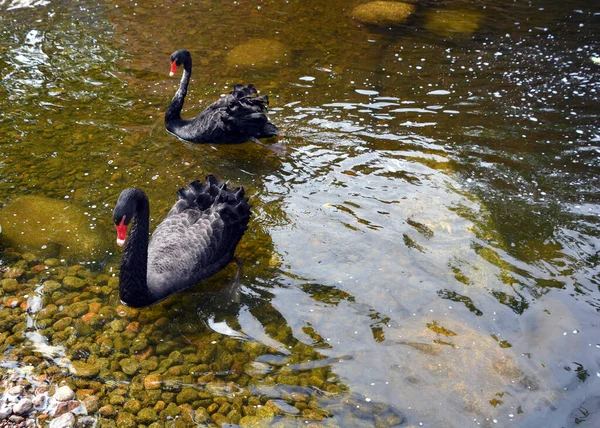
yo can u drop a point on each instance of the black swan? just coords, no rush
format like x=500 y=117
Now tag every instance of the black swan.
x=235 y=118
x=196 y=239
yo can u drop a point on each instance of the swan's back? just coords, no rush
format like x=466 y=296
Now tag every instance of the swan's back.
x=198 y=237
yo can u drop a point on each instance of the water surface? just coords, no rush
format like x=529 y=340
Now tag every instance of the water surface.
x=424 y=253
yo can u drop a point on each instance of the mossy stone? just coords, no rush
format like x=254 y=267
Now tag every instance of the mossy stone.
x=10 y=285
x=383 y=13
x=153 y=381
x=80 y=308
x=147 y=415
x=126 y=420
x=207 y=353
x=257 y=52
x=452 y=22
x=72 y=283
x=62 y=323
x=118 y=325
x=83 y=369
x=51 y=286
x=139 y=344
x=187 y=395
x=130 y=366
x=47 y=226
x=107 y=411
x=133 y=406
x=172 y=410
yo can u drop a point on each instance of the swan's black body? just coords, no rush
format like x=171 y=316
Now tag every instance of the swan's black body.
x=237 y=117
x=196 y=239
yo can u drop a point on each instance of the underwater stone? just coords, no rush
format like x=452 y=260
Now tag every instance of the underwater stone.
x=64 y=393
x=220 y=419
x=257 y=52
x=172 y=410
x=129 y=366
x=82 y=369
x=79 y=308
x=147 y=416
x=62 y=323
x=51 y=286
x=187 y=395
x=383 y=13
x=152 y=381
x=91 y=403
x=23 y=407
x=66 y=420
x=452 y=22
x=45 y=226
x=5 y=412
x=107 y=411
x=72 y=283
x=10 y=285
x=139 y=344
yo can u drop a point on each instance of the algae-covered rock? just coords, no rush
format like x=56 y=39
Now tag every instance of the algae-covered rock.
x=129 y=366
x=187 y=395
x=147 y=416
x=83 y=369
x=72 y=283
x=50 y=227
x=10 y=285
x=383 y=13
x=257 y=52
x=452 y=22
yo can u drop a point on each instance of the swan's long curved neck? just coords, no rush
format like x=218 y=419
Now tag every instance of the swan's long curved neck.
x=133 y=287
x=174 y=110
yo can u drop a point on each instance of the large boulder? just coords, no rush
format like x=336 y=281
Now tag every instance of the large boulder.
x=383 y=13
x=50 y=227
x=452 y=23
x=257 y=52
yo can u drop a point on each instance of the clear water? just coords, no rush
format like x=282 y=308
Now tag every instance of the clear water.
x=427 y=247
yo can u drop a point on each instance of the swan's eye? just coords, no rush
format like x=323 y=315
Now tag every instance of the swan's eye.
x=121 y=232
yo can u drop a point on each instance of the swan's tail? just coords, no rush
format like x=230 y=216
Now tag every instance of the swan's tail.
x=231 y=204
x=249 y=112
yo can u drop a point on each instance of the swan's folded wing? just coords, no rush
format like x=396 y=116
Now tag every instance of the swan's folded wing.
x=188 y=247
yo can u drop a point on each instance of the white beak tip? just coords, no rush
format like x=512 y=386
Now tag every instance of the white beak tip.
x=120 y=242
x=171 y=74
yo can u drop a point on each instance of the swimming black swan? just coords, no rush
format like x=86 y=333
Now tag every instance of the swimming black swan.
x=196 y=239
x=235 y=118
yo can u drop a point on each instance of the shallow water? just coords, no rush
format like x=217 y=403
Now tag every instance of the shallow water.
x=424 y=253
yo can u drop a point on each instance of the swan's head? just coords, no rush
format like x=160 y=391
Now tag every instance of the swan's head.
x=179 y=57
x=124 y=211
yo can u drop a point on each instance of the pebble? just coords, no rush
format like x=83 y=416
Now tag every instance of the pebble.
x=66 y=420
x=64 y=393
x=5 y=412
x=23 y=407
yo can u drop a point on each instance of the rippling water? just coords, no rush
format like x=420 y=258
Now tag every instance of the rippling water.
x=424 y=253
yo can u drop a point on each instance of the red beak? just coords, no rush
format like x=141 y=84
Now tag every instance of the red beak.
x=173 y=69
x=121 y=232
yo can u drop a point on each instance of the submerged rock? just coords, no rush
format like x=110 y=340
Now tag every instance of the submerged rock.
x=257 y=52
x=64 y=393
x=82 y=369
x=383 y=13
x=23 y=407
x=49 y=227
x=452 y=22
x=66 y=420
